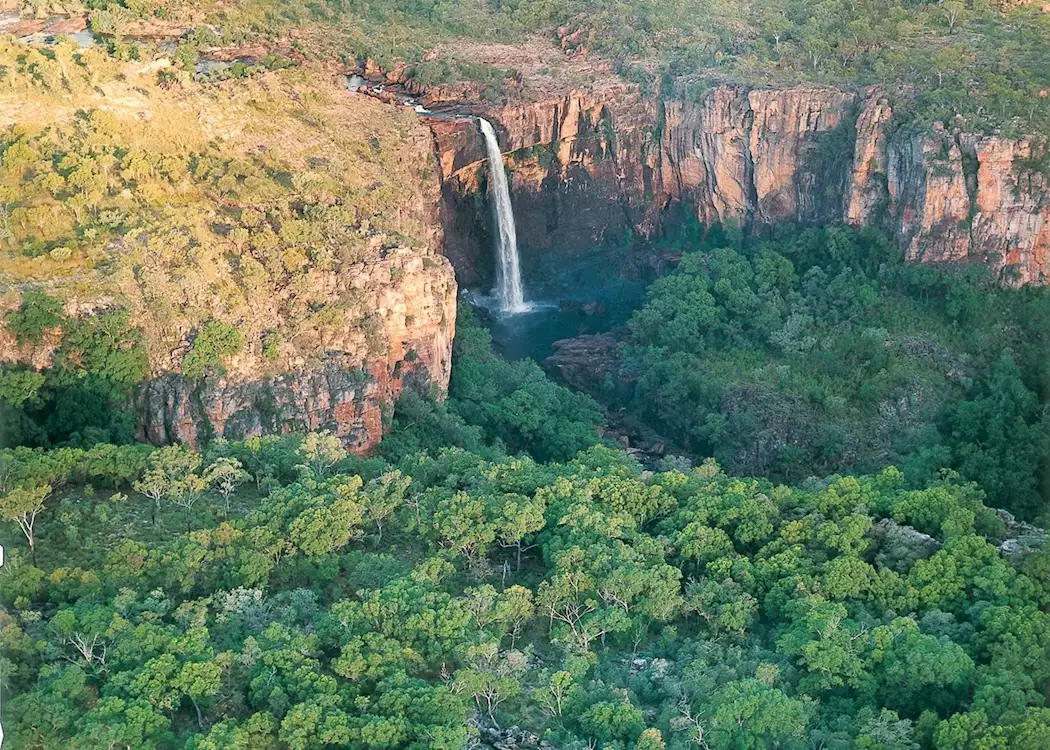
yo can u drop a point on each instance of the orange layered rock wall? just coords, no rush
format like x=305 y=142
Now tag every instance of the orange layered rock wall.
x=587 y=167
x=958 y=196
x=1012 y=207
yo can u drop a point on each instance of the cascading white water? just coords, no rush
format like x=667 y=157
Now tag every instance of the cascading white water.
x=508 y=273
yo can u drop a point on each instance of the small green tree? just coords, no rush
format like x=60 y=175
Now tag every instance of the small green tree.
x=186 y=492
x=22 y=505
x=215 y=342
x=384 y=496
x=517 y=519
x=321 y=451
x=37 y=314
x=225 y=475
x=513 y=609
x=554 y=696
x=491 y=676
x=172 y=475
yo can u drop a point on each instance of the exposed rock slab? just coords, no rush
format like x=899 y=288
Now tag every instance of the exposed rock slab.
x=334 y=398
x=1022 y=538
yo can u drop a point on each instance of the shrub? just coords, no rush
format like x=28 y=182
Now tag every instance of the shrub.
x=216 y=342
x=106 y=345
x=271 y=345
x=34 y=317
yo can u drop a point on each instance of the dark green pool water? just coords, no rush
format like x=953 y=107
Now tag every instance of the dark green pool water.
x=591 y=295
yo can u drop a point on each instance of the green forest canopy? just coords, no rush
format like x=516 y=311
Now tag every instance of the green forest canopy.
x=287 y=595
x=280 y=593
x=822 y=351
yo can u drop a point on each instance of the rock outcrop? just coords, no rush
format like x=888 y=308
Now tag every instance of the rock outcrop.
x=898 y=547
x=333 y=397
x=1021 y=538
x=589 y=168
x=868 y=190
x=585 y=361
x=406 y=341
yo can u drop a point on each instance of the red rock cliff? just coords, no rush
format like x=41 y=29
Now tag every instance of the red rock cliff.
x=407 y=342
x=587 y=166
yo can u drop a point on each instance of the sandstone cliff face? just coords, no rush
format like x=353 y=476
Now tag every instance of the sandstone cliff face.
x=1012 y=207
x=790 y=177
x=333 y=397
x=928 y=197
x=595 y=169
x=705 y=152
x=956 y=196
x=577 y=174
x=406 y=341
x=867 y=186
x=744 y=157
x=586 y=168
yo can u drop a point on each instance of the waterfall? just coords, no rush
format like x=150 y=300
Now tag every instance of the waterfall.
x=508 y=274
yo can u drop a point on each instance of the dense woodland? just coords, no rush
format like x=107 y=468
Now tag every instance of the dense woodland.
x=820 y=350
x=278 y=593
x=281 y=593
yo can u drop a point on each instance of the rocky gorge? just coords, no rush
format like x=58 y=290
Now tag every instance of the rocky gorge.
x=601 y=168
x=597 y=168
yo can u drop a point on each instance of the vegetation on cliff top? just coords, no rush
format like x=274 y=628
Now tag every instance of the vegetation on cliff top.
x=127 y=186
x=989 y=62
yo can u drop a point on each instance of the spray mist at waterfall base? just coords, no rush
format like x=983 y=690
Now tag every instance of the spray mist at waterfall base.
x=493 y=304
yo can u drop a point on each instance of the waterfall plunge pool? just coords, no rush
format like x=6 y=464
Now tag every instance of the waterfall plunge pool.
x=589 y=295
x=592 y=295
